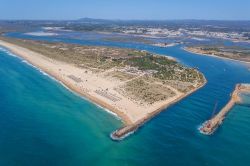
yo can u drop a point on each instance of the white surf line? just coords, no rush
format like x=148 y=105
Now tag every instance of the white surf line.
x=6 y=50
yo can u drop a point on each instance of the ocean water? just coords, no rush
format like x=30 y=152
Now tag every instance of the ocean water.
x=245 y=97
x=43 y=123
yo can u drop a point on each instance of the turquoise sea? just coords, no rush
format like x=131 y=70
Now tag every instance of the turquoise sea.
x=44 y=124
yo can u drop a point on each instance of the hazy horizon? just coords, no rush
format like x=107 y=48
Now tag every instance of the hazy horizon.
x=228 y=10
x=118 y=19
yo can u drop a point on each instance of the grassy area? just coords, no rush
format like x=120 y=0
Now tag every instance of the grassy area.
x=122 y=76
x=154 y=72
x=142 y=91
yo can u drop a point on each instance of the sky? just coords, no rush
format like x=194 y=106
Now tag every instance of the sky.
x=125 y=9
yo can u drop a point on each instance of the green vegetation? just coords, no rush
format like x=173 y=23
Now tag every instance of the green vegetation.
x=232 y=52
x=143 y=76
x=104 y=58
x=143 y=63
x=210 y=49
x=147 y=92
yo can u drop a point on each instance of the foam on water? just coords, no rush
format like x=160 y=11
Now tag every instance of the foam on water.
x=123 y=137
x=5 y=50
x=58 y=81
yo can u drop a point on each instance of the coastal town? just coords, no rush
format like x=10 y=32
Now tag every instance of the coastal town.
x=178 y=30
x=188 y=33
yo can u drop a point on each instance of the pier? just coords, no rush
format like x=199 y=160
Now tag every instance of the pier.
x=129 y=129
x=211 y=125
x=123 y=132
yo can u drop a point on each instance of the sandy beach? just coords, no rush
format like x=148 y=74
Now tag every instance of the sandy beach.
x=96 y=87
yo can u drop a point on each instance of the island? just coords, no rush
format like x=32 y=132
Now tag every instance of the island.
x=136 y=85
x=228 y=52
x=211 y=125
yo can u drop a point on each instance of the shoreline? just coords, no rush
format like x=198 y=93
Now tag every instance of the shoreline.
x=130 y=120
x=71 y=88
x=215 y=56
x=65 y=86
x=210 y=126
x=125 y=131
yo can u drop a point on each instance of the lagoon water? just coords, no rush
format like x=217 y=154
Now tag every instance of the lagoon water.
x=43 y=123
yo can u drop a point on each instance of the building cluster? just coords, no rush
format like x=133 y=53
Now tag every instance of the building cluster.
x=181 y=32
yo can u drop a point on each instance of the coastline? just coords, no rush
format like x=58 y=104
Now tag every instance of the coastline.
x=215 y=56
x=67 y=85
x=128 y=120
x=125 y=131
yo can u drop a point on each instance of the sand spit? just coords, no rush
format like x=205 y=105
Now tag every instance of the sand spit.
x=98 y=89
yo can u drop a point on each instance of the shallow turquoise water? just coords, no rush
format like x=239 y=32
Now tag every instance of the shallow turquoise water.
x=42 y=123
